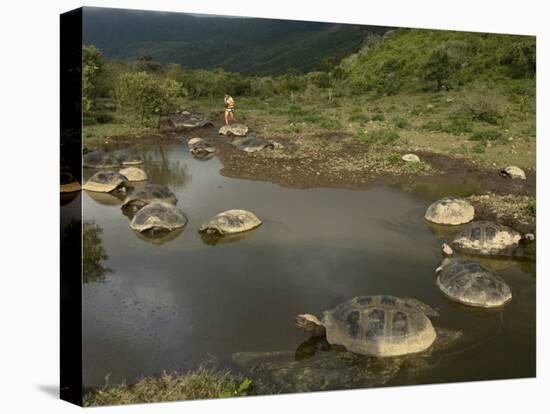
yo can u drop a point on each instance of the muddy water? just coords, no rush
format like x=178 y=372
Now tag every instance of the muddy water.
x=169 y=305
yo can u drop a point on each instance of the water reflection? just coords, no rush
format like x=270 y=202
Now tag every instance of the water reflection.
x=93 y=255
x=159 y=237
x=203 y=156
x=114 y=198
x=442 y=231
x=66 y=198
x=436 y=189
x=162 y=169
x=213 y=239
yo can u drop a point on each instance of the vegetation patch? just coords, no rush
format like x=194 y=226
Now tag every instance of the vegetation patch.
x=515 y=210
x=202 y=383
x=486 y=135
x=382 y=136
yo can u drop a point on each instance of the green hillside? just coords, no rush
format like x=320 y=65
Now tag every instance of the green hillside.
x=414 y=60
x=245 y=45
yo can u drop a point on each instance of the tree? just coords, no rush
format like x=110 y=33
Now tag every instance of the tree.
x=437 y=68
x=146 y=98
x=92 y=65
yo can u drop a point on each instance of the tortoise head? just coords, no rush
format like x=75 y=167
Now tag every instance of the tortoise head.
x=211 y=229
x=444 y=263
x=310 y=323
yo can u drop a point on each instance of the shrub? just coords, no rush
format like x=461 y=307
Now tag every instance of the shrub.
x=457 y=126
x=361 y=118
x=394 y=157
x=400 y=122
x=104 y=117
x=532 y=209
x=432 y=125
x=521 y=59
x=479 y=148
x=486 y=135
x=382 y=136
x=484 y=105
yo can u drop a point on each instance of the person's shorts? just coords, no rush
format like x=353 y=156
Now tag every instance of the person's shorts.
x=229 y=110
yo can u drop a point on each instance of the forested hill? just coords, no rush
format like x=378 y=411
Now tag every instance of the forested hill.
x=245 y=45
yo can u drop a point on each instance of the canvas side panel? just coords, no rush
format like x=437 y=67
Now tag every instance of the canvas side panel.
x=71 y=206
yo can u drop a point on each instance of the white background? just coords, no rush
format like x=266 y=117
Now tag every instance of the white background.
x=29 y=252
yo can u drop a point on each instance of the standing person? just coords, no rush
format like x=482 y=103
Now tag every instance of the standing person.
x=229 y=109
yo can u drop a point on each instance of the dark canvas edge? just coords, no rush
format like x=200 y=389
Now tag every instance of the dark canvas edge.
x=71 y=235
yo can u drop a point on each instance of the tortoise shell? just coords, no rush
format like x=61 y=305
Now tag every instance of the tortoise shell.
x=471 y=284
x=379 y=326
x=486 y=238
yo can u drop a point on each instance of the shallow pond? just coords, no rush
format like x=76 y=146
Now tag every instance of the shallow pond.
x=170 y=305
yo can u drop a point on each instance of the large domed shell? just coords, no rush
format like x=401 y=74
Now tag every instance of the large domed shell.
x=238 y=130
x=514 y=173
x=100 y=159
x=486 y=238
x=134 y=174
x=451 y=211
x=379 y=326
x=469 y=283
x=231 y=222
x=148 y=194
x=105 y=182
x=158 y=216
x=200 y=147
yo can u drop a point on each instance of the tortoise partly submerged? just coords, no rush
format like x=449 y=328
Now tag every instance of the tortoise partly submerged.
x=200 y=148
x=379 y=326
x=158 y=217
x=487 y=238
x=134 y=174
x=471 y=284
x=100 y=159
x=230 y=222
x=106 y=181
x=130 y=159
x=149 y=194
x=450 y=211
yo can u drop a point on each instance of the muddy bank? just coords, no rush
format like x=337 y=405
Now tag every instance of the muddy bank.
x=346 y=164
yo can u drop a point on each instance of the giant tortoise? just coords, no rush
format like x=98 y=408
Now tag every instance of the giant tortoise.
x=379 y=326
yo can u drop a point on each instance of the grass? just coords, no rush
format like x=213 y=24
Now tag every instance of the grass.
x=99 y=133
x=452 y=129
x=202 y=383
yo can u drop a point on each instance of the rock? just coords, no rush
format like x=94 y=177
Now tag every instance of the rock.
x=513 y=172
x=238 y=130
x=410 y=158
x=446 y=249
